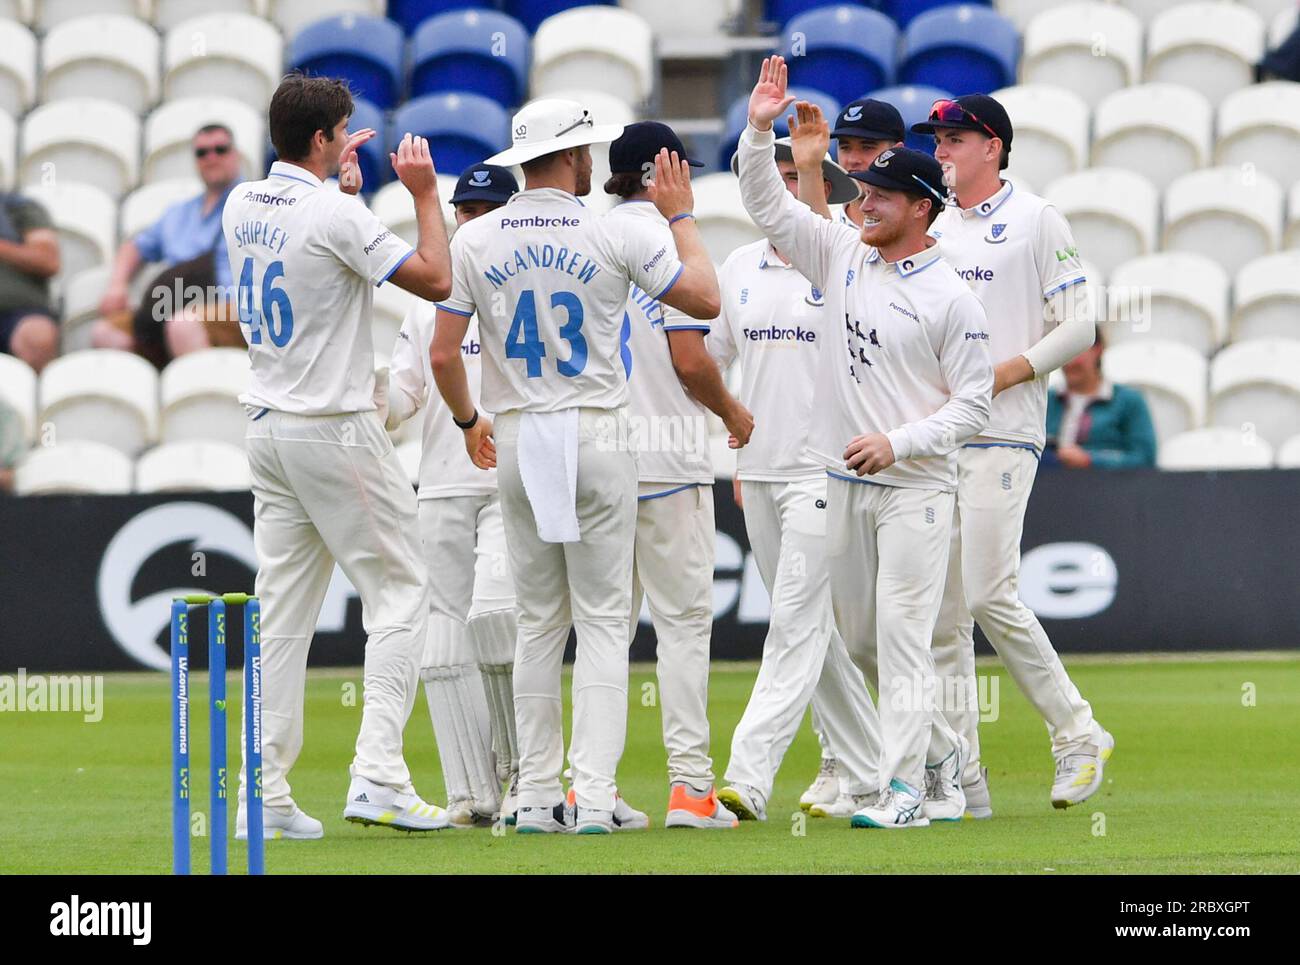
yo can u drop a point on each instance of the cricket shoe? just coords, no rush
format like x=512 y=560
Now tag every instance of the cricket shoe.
x=291 y=823
x=625 y=817
x=510 y=803
x=594 y=821
x=744 y=802
x=689 y=808
x=1079 y=772
x=844 y=806
x=556 y=819
x=465 y=814
x=900 y=806
x=375 y=804
x=944 y=798
x=979 y=806
x=825 y=788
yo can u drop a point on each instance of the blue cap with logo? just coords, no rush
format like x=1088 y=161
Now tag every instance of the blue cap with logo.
x=485 y=182
x=640 y=142
x=902 y=169
x=870 y=119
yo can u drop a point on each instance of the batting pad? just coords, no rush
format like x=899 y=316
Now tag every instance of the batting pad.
x=462 y=725
x=493 y=637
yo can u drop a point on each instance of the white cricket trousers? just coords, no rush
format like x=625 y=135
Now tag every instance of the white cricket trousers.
x=887 y=552
x=673 y=568
x=786 y=524
x=993 y=486
x=329 y=488
x=587 y=585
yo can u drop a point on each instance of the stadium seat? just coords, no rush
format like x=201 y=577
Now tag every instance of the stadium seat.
x=1224 y=213
x=390 y=307
x=694 y=19
x=392 y=204
x=80 y=468
x=364 y=51
x=721 y=216
x=17 y=68
x=376 y=168
x=234 y=54
x=1061 y=48
x=462 y=129
x=903 y=12
x=1266 y=298
x=594 y=46
x=96 y=139
x=292 y=15
x=199 y=396
x=18 y=391
x=1214 y=448
x=193 y=466
x=1283 y=24
x=532 y=13
x=914 y=103
x=1260 y=125
x=1293 y=217
x=169 y=132
x=86 y=219
x=1172 y=378
x=408 y=454
x=102 y=395
x=1209 y=46
x=1160 y=131
x=19 y=11
x=965 y=48
x=738 y=116
x=473 y=51
x=1021 y=12
x=1113 y=214
x=1051 y=131
x=169 y=13
x=842 y=50
x=50 y=13
x=81 y=297
x=145 y=205
x=1255 y=387
x=8 y=151
x=410 y=14
x=1174 y=296
x=110 y=57
x=1288 y=454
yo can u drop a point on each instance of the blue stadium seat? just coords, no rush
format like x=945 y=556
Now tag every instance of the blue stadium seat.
x=738 y=116
x=532 y=12
x=903 y=12
x=462 y=129
x=843 y=50
x=477 y=51
x=913 y=102
x=376 y=170
x=781 y=12
x=366 y=51
x=965 y=48
x=410 y=14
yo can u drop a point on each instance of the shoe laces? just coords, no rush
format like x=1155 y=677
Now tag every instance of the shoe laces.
x=827 y=768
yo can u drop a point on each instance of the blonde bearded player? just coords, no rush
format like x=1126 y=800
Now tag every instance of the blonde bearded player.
x=469 y=652
x=549 y=281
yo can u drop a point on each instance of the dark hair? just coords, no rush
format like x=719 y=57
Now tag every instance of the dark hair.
x=214 y=128
x=303 y=105
x=625 y=184
x=935 y=208
x=1004 y=158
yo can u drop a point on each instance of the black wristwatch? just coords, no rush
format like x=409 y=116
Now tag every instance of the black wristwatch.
x=473 y=421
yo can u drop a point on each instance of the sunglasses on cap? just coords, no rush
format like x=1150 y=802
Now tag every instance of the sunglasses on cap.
x=219 y=150
x=949 y=112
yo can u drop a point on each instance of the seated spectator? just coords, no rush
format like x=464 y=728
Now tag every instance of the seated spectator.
x=1095 y=422
x=29 y=258
x=188 y=240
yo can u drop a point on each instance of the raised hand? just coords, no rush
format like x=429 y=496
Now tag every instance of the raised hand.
x=349 y=169
x=810 y=136
x=671 y=189
x=413 y=166
x=769 y=100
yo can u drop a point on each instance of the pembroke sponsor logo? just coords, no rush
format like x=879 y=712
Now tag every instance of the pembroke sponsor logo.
x=775 y=333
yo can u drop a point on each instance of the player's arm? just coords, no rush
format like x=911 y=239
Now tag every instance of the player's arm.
x=448 y=366
x=695 y=289
x=427 y=273
x=702 y=378
x=406 y=386
x=810 y=139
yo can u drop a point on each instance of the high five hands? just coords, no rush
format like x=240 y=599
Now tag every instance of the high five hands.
x=769 y=99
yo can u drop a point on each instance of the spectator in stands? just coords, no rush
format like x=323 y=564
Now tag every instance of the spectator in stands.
x=1096 y=423
x=29 y=258
x=187 y=239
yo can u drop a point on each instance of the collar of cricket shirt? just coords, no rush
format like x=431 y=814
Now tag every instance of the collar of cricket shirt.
x=912 y=264
x=770 y=259
x=283 y=169
x=991 y=204
x=548 y=194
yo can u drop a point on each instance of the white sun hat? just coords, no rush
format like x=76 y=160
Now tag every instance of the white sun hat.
x=550 y=125
x=843 y=188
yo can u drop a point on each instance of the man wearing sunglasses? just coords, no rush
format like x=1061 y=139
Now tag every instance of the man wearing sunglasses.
x=1018 y=255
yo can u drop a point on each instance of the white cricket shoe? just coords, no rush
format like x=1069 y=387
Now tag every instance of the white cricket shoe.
x=466 y=814
x=744 y=802
x=625 y=817
x=290 y=823
x=556 y=819
x=1079 y=772
x=510 y=803
x=594 y=821
x=900 y=806
x=689 y=808
x=979 y=806
x=844 y=806
x=375 y=804
x=825 y=788
x=944 y=798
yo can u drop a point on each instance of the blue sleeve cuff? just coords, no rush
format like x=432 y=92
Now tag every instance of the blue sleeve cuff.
x=454 y=311
x=671 y=283
x=400 y=262
x=687 y=328
x=1064 y=285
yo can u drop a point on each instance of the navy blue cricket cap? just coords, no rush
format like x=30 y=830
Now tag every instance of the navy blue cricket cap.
x=640 y=142
x=485 y=182
x=902 y=169
x=970 y=112
x=871 y=119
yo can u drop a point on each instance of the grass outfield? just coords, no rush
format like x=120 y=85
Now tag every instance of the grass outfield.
x=1198 y=783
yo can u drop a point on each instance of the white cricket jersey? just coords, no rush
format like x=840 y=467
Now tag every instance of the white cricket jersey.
x=445 y=466
x=1015 y=250
x=667 y=428
x=776 y=323
x=911 y=360
x=305 y=256
x=549 y=280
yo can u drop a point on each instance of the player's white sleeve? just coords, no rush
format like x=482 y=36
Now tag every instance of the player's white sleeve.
x=964 y=361
x=461 y=299
x=363 y=242
x=407 y=389
x=649 y=257
x=1069 y=310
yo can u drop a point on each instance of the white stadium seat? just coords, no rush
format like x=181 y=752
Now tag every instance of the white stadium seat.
x=292 y=15
x=685 y=18
x=1176 y=296
x=605 y=108
x=1208 y=45
x=19 y=10
x=1021 y=12
x=169 y=132
x=724 y=223
x=51 y=13
x=194 y=466
x=1172 y=378
x=1260 y=125
x=390 y=307
x=1061 y=47
x=1148 y=10
x=17 y=68
x=236 y=54
x=145 y=205
x=1288 y=454
x=1283 y=24
x=1161 y=131
x=1292 y=239
x=392 y=204
x=81 y=297
x=1256 y=384
x=1266 y=298
x=1214 y=448
x=1113 y=214
x=586 y=47
x=102 y=395
x=200 y=392
x=1268 y=9
x=168 y=13
x=92 y=141
x=83 y=467
x=1225 y=214
x=408 y=454
x=8 y=151
x=1051 y=125
x=18 y=391
x=86 y=219
x=110 y=57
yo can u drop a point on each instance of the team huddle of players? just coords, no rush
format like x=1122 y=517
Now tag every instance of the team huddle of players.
x=893 y=358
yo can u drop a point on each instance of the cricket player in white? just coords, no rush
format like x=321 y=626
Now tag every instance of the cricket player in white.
x=915 y=383
x=469 y=652
x=1016 y=252
x=327 y=485
x=776 y=323
x=549 y=281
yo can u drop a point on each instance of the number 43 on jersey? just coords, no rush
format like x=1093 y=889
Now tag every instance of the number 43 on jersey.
x=523 y=341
